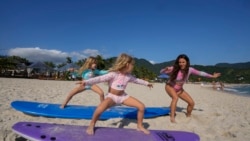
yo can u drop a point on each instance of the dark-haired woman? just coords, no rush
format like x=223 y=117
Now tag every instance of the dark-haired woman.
x=179 y=74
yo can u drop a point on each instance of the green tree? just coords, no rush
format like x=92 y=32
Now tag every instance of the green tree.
x=50 y=64
x=81 y=62
x=12 y=62
x=69 y=60
x=100 y=62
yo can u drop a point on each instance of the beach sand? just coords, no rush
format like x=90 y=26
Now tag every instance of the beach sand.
x=217 y=116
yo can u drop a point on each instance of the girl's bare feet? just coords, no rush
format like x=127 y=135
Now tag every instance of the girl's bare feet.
x=62 y=106
x=90 y=130
x=145 y=131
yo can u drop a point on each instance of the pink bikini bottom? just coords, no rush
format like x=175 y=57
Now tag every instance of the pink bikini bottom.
x=117 y=99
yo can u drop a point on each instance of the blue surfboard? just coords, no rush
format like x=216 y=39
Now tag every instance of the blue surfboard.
x=84 y=112
x=36 y=131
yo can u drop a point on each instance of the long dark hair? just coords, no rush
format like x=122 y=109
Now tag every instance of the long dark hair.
x=176 y=68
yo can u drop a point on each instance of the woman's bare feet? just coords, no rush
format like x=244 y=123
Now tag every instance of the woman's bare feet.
x=90 y=130
x=145 y=131
x=188 y=115
x=172 y=119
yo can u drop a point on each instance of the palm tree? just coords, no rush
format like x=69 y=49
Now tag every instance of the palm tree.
x=100 y=61
x=50 y=64
x=69 y=60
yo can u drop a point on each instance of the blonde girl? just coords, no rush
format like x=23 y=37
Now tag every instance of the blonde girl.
x=88 y=70
x=118 y=77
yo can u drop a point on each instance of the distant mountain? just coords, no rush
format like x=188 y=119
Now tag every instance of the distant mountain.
x=144 y=63
x=157 y=67
x=152 y=67
x=245 y=65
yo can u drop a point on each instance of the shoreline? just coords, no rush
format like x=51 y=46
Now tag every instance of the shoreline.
x=229 y=89
x=217 y=115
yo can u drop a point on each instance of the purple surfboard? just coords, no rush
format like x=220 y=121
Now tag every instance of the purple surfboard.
x=37 y=131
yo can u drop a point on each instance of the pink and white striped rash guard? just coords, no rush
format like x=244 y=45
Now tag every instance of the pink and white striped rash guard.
x=179 y=82
x=117 y=80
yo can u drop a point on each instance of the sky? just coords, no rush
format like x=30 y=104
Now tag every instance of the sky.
x=208 y=31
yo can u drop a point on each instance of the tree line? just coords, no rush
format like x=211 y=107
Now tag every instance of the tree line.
x=231 y=73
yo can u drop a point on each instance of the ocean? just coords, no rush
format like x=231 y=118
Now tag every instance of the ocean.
x=241 y=89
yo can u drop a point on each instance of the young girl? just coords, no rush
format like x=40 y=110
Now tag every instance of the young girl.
x=88 y=70
x=179 y=74
x=118 y=77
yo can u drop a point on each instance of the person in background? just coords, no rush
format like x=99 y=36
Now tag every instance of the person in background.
x=221 y=85
x=179 y=74
x=118 y=78
x=88 y=70
x=214 y=85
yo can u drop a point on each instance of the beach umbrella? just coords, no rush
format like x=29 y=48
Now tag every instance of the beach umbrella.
x=40 y=67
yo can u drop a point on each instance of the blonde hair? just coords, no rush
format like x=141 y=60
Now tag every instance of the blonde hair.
x=121 y=62
x=87 y=65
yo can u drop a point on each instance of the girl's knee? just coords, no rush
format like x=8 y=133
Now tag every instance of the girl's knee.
x=191 y=103
x=141 y=107
x=80 y=88
x=101 y=94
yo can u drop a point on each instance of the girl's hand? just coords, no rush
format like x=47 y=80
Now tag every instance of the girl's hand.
x=81 y=83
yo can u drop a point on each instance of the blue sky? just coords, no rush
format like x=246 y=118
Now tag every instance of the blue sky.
x=208 y=31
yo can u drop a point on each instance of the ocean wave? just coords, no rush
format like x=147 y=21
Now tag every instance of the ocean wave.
x=239 y=89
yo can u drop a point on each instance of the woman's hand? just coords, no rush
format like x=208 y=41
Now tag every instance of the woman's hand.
x=215 y=75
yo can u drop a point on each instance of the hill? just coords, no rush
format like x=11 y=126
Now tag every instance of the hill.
x=157 y=67
x=245 y=65
x=231 y=72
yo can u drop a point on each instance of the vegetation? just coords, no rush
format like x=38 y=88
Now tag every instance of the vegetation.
x=231 y=73
x=12 y=62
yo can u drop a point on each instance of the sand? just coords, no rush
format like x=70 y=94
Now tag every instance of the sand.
x=217 y=116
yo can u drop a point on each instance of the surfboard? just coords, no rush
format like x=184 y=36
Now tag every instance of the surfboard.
x=36 y=131
x=84 y=112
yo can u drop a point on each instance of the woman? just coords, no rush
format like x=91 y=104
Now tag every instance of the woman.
x=179 y=74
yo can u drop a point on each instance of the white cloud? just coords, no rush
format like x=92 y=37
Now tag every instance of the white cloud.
x=152 y=62
x=91 y=52
x=84 y=54
x=56 y=56
x=77 y=55
x=38 y=54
